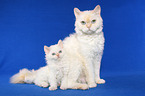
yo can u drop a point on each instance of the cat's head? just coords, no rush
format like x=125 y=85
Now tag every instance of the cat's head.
x=54 y=52
x=88 y=22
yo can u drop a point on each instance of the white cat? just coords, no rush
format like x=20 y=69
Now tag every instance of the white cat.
x=61 y=68
x=88 y=43
x=49 y=74
x=52 y=73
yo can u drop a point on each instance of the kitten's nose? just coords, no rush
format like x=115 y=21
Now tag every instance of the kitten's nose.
x=57 y=55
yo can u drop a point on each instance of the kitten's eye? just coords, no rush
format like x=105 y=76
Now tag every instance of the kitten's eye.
x=53 y=53
x=93 y=21
x=60 y=51
x=83 y=22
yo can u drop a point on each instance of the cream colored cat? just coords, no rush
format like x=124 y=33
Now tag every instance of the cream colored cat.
x=88 y=43
x=51 y=74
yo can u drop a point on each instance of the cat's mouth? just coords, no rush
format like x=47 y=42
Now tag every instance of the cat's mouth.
x=58 y=57
x=89 y=31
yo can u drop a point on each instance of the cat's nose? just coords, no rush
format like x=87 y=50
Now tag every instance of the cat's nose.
x=57 y=55
x=88 y=25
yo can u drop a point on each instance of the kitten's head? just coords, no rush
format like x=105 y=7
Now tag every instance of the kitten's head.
x=88 y=22
x=54 y=52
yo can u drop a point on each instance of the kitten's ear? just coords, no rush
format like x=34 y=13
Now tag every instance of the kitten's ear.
x=46 y=49
x=60 y=43
x=97 y=10
x=77 y=12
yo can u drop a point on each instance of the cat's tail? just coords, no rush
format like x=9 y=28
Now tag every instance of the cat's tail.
x=23 y=76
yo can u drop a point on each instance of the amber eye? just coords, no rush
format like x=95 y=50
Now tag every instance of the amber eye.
x=53 y=53
x=83 y=22
x=93 y=21
x=60 y=51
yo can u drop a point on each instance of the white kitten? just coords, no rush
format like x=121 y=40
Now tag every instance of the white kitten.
x=88 y=43
x=49 y=74
x=54 y=55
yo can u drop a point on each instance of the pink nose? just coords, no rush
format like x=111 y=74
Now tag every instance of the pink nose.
x=57 y=55
x=88 y=26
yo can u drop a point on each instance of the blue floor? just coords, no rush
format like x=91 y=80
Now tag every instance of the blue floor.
x=116 y=85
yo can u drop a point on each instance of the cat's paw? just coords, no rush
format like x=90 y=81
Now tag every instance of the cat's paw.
x=63 y=87
x=52 y=88
x=92 y=85
x=44 y=84
x=100 y=81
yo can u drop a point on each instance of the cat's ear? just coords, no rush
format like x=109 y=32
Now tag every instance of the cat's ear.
x=60 y=43
x=97 y=10
x=77 y=12
x=46 y=49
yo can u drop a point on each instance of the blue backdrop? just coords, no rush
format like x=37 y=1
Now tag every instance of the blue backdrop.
x=27 y=25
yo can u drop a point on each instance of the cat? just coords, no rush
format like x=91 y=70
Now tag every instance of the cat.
x=87 y=43
x=61 y=69
x=49 y=74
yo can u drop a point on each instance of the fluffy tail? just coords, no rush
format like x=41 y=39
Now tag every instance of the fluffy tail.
x=24 y=76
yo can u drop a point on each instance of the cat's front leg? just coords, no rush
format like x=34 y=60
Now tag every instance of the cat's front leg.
x=97 y=65
x=52 y=81
x=53 y=85
x=64 y=83
x=97 y=74
x=89 y=72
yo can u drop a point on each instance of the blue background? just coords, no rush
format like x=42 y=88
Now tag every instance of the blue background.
x=27 y=25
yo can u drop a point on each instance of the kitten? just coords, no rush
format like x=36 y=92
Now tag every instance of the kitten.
x=49 y=74
x=88 y=43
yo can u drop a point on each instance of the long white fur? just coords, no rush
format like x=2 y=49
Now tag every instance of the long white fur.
x=88 y=43
x=49 y=74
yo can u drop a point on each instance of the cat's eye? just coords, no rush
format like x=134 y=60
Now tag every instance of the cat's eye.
x=60 y=51
x=53 y=53
x=93 y=21
x=83 y=22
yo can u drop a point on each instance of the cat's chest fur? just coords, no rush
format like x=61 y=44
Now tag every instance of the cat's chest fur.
x=56 y=67
x=57 y=71
x=92 y=44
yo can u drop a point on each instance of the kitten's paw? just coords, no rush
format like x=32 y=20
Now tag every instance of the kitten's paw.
x=100 y=81
x=92 y=85
x=63 y=87
x=52 y=88
x=44 y=84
